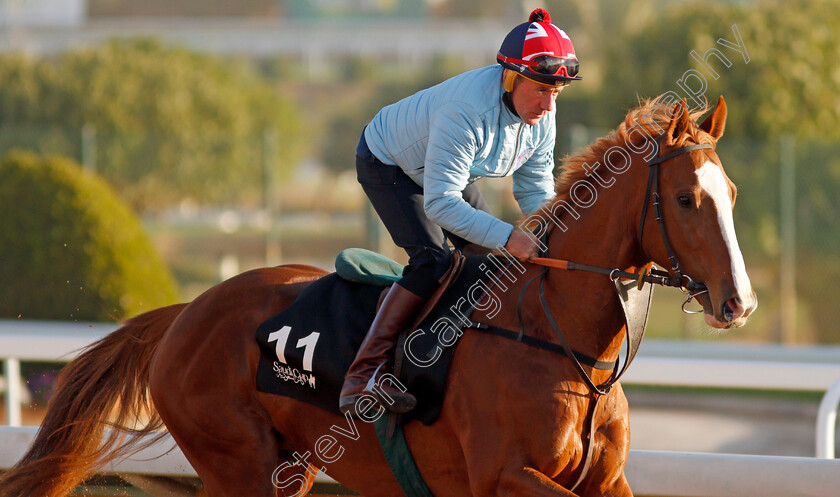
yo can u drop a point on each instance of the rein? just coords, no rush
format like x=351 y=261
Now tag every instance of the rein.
x=646 y=275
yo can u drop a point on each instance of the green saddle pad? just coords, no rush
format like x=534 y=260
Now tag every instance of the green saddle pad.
x=364 y=266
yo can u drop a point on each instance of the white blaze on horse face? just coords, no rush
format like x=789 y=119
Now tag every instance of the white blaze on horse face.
x=713 y=182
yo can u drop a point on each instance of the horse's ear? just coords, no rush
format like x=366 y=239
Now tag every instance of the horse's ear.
x=679 y=123
x=716 y=121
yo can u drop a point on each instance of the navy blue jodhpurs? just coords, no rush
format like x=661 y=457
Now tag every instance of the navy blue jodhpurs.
x=398 y=201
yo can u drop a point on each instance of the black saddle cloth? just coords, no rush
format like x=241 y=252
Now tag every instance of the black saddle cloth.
x=307 y=348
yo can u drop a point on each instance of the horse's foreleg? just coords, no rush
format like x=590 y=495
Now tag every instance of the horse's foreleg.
x=530 y=482
x=619 y=488
x=606 y=476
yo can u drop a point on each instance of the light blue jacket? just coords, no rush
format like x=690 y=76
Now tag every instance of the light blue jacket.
x=451 y=134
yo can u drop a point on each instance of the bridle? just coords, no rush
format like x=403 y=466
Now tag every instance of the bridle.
x=682 y=281
x=646 y=275
x=690 y=287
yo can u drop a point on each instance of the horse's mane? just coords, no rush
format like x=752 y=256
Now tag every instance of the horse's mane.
x=651 y=116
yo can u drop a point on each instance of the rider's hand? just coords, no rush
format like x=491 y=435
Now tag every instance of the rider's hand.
x=522 y=245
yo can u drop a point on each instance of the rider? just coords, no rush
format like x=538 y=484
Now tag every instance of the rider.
x=417 y=161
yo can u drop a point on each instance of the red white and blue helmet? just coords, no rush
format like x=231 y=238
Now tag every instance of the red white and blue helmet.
x=540 y=51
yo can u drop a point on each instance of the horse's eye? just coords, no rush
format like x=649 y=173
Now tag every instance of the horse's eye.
x=684 y=200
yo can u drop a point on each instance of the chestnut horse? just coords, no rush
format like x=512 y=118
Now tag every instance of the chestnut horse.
x=515 y=420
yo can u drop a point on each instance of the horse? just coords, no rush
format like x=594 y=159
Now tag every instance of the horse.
x=516 y=420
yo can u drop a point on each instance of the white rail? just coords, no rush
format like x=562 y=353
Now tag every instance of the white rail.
x=688 y=474
x=650 y=473
x=40 y=341
x=11 y=371
x=659 y=363
x=827 y=421
x=154 y=460
x=800 y=376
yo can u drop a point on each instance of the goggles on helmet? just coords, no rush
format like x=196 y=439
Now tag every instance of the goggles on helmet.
x=547 y=64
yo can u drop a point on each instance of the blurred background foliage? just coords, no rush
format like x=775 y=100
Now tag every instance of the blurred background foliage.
x=175 y=130
x=157 y=121
x=70 y=248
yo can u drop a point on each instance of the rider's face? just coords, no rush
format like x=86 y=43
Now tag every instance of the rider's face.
x=533 y=100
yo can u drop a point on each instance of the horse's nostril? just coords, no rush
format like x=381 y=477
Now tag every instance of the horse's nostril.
x=727 y=312
x=732 y=309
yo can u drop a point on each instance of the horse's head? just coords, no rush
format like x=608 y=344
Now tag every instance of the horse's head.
x=697 y=199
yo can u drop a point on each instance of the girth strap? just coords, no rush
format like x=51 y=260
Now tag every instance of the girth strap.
x=399 y=458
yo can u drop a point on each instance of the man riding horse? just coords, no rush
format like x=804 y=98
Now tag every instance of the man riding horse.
x=417 y=162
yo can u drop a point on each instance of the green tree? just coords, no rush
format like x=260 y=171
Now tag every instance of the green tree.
x=70 y=249
x=168 y=122
x=788 y=86
x=182 y=8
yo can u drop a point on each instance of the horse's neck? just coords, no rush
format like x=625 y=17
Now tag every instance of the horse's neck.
x=584 y=304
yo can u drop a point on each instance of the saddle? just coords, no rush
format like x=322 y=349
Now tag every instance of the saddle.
x=306 y=351
x=364 y=266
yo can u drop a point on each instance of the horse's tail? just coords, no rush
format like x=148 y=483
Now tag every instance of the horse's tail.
x=105 y=386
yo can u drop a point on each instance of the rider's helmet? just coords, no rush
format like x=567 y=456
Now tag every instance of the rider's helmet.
x=539 y=51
